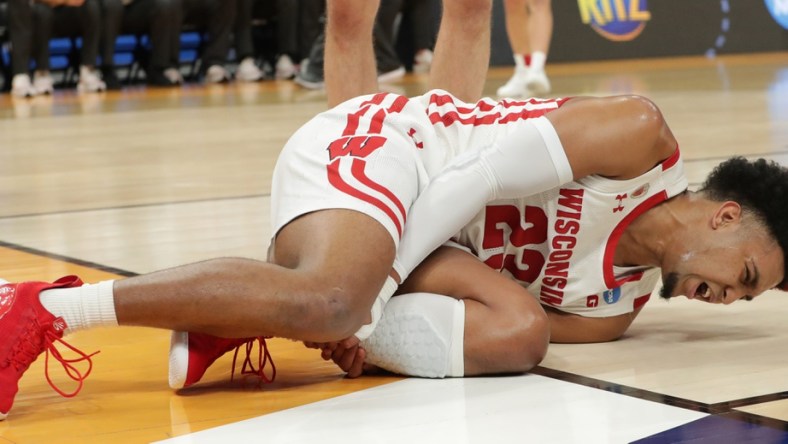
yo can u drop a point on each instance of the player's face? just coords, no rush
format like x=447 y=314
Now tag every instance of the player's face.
x=725 y=268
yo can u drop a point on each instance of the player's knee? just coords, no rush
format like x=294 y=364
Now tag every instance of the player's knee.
x=339 y=311
x=351 y=16
x=647 y=118
x=529 y=343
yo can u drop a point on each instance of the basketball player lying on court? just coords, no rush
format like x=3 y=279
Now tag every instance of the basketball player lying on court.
x=563 y=202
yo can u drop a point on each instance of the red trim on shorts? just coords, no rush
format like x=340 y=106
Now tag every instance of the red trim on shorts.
x=353 y=121
x=335 y=179
x=398 y=105
x=376 y=125
x=377 y=99
x=482 y=113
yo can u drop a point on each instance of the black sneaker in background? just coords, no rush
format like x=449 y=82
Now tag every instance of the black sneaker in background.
x=159 y=79
x=110 y=78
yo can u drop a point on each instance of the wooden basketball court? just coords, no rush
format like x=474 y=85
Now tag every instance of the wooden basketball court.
x=128 y=182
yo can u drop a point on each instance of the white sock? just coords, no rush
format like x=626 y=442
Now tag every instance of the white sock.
x=519 y=63
x=538 y=59
x=88 y=306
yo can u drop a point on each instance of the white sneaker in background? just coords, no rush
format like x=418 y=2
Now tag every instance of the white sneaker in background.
x=217 y=74
x=422 y=61
x=174 y=76
x=285 y=68
x=21 y=86
x=515 y=88
x=391 y=76
x=90 y=80
x=537 y=82
x=248 y=71
x=43 y=82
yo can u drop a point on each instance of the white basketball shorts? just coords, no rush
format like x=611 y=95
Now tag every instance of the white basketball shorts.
x=347 y=158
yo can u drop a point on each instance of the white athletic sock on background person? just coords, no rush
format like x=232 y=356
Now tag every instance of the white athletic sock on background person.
x=538 y=60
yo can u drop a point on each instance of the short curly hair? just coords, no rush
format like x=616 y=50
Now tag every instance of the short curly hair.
x=759 y=186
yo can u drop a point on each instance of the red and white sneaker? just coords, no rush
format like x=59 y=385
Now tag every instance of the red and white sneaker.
x=27 y=330
x=192 y=353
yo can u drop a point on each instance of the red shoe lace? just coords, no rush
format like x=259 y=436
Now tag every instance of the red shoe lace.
x=263 y=358
x=27 y=351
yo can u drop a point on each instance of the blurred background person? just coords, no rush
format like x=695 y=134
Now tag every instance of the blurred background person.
x=298 y=25
x=529 y=25
x=31 y=25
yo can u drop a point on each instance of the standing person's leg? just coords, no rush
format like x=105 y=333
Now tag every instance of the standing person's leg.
x=111 y=20
x=310 y=74
x=43 y=25
x=310 y=25
x=517 y=30
x=176 y=10
x=84 y=20
x=423 y=21
x=218 y=16
x=288 y=13
x=529 y=25
x=464 y=29
x=540 y=32
x=247 y=70
x=389 y=66
x=161 y=20
x=348 y=32
x=20 y=29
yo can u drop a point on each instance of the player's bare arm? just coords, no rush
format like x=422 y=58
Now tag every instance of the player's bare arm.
x=569 y=328
x=506 y=327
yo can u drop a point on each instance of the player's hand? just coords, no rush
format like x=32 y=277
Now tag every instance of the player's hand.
x=346 y=354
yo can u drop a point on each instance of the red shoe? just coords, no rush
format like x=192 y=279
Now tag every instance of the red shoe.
x=192 y=353
x=26 y=331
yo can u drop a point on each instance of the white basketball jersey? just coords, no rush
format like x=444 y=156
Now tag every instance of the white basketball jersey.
x=560 y=244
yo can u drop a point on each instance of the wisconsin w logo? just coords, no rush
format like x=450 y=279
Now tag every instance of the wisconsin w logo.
x=356 y=146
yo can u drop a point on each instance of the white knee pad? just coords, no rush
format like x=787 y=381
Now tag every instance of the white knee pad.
x=420 y=334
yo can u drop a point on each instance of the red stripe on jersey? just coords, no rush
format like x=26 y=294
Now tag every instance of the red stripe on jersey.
x=335 y=179
x=612 y=243
x=358 y=168
x=672 y=160
x=641 y=301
